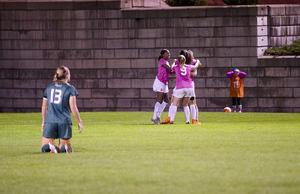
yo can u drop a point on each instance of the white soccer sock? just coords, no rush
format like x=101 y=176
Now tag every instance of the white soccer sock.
x=169 y=109
x=193 y=112
x=156 y=108
x=186 y=111
x=161 y=108
x=172 y=112
x=197 y=111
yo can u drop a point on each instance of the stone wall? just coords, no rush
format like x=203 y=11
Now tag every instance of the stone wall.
x=284 y=24
x=112 y=54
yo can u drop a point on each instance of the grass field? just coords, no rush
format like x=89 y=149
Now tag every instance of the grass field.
x=123 y=152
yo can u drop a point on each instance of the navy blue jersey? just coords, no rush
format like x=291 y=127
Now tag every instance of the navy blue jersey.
x=58 y=96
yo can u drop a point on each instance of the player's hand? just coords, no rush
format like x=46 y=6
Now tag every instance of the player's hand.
x=80 y=126
x=43 y=125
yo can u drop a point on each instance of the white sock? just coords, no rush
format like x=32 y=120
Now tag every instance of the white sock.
x=161 y=108
x=156 y=108
x=172 y=112
x=186 y=111
x=197 y=111
x=193 y=112
x=169 y=109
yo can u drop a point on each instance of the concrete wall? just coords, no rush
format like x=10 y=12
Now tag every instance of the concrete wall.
x=112 y=54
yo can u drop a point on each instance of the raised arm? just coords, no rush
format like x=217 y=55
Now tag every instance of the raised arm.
x=230 y=74
x=194 y=73
x=75 y=112
x=242 y=74
x=198 y=64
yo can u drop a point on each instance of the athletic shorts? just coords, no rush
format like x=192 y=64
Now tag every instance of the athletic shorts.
x=193 y=97
x=184 y=92
x=158 y=86
x=57 y=130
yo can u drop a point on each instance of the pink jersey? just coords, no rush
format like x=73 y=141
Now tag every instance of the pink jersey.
x=183 y=76
x=193 y=63
x=163 y=73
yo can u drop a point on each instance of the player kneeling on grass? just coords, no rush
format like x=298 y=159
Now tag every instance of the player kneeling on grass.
x=184 y=87
x=58 y=102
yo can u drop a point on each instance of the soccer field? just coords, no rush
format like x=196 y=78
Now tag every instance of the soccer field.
x=124 y=152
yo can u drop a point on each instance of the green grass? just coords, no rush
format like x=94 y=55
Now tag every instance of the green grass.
x=123 y=152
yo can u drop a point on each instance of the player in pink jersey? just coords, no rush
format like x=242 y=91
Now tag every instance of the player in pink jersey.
x=193 y=106
x=160 y=85
x=184 y=85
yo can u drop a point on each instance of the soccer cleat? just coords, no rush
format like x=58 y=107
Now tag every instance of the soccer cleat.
x=171 y=122
x=159 y=120
x=155 y=121
x=194 y=121
x=52 y=147
x=188 y=123
x=167 y=121
x=240 y=111
x=68 y=147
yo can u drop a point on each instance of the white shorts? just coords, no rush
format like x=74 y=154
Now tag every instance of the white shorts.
x=193 y=91
x=158 y=86
x=184 y=92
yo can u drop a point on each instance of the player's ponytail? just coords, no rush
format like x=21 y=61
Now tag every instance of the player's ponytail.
x=60 y=74
x=181 y=60
x=162 y=52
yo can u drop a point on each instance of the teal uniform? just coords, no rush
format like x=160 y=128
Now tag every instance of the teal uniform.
x=58 y=123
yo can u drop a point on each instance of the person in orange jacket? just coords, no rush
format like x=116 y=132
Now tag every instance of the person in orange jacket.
x=236 y=88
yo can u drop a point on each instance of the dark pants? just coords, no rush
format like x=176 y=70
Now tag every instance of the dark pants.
x=236 y=101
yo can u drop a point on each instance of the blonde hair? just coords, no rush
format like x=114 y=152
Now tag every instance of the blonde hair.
x=62 y=74
x=181 y=60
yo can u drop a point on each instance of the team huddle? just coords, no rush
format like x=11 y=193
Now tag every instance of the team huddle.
x=60 y=99
x=185 y=68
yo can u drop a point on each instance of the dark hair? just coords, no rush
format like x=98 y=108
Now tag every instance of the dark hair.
x=183 y=52
x=162 y=52
x=188 y=54
x=189 y=57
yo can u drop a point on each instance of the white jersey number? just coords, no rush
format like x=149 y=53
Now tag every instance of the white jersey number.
x=183 y=71
x=236 y=84
x=55 y=96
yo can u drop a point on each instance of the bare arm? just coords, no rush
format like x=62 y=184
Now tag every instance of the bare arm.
x=198 y=64
x=167 y=67
x=44 y=111
x=75 y=112
x=194 y=73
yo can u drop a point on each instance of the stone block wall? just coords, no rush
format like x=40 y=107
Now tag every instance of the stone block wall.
x=284 y=24
x=112 y=54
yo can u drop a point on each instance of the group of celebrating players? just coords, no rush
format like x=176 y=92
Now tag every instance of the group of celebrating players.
x=185 y=68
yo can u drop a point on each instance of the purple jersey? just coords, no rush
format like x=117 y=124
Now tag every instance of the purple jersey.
x=163 y=73
x=183 y=76
x=241 y=74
